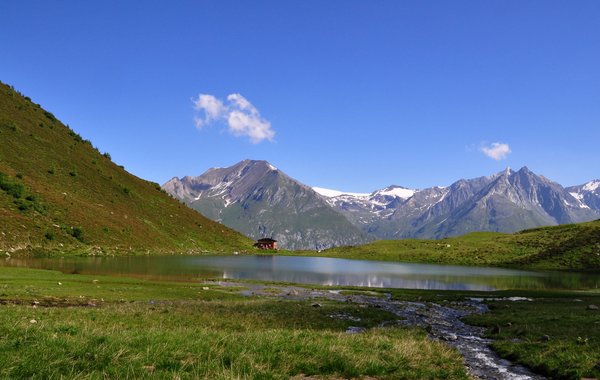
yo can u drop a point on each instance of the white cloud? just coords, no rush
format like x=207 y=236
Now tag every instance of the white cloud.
x=497 y=151
x=212 y=107
x=242 y=118
x=242 y=103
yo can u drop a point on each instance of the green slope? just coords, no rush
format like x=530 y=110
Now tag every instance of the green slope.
x=58 y=193
x=570 y=246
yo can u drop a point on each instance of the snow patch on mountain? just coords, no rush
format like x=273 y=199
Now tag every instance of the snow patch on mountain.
x=329 y=193
x=396 y=191
x=580 y=199
x=591 y=186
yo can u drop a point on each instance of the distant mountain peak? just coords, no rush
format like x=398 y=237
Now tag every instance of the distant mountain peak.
x=254 y=197
x=330 y=193
x=396 y=191
x=258 y=164
x=592 y=185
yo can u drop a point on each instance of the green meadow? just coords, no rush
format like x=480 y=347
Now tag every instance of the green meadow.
x=564 y=247
x=55 y=325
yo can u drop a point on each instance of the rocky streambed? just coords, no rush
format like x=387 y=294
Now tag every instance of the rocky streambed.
x=442 y=322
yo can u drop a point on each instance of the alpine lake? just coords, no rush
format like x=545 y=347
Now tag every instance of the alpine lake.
x=314 y=270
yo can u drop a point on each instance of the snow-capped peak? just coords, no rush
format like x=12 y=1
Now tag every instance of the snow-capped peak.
x=591 y=186
x=336 y=193
x=396 y=191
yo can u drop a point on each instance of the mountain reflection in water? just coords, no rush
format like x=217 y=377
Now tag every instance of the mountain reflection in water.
x=314 y=270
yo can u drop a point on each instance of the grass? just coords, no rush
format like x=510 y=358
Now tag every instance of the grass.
x=55 y=183
x=518 y=328
x=142 y=329
x=101 y=326
x=554 y=335
x=574 y=247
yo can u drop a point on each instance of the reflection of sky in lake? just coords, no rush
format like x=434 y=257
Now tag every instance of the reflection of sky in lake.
x=316 y=270
x=328 y=271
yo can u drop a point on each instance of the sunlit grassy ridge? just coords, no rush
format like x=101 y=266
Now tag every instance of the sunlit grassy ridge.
x=572 y=246
x=57 y=192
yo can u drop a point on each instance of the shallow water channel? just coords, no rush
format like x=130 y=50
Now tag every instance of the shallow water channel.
x=314 y=270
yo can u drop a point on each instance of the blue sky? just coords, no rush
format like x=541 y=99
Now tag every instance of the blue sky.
x=353 y=95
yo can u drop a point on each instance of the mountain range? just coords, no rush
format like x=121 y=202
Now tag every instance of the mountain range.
x=260 y=200
x=60 y=194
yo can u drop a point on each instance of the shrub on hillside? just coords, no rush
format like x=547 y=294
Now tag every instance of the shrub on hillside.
x=9 y=125
x=49 y=115
x=14 y=189
x=77 y=233
x=76 y=136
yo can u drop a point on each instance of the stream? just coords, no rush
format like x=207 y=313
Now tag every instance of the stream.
x=442 y=322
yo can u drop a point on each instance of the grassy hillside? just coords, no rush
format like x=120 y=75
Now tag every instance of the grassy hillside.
x=571 y=246
x=58 y=193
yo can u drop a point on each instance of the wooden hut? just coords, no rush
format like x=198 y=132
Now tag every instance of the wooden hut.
x=266 y=243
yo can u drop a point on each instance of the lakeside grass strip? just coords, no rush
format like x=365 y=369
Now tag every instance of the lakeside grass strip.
x=144 y=329
x=564 y=247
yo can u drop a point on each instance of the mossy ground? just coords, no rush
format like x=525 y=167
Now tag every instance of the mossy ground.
x=555 y=335
x=104 y=327
x=99 y=326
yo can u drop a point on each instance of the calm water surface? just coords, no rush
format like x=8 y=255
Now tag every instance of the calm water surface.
x=314 y=270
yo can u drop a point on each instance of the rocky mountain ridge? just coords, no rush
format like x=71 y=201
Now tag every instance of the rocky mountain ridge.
x=259 y=200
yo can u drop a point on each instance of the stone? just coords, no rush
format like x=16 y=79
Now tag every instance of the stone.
x=451 y=337
x=33 y=321
x=355 y=330
x=592 y=307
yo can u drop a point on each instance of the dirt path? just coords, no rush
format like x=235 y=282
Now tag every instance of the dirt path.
x=442 y=322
